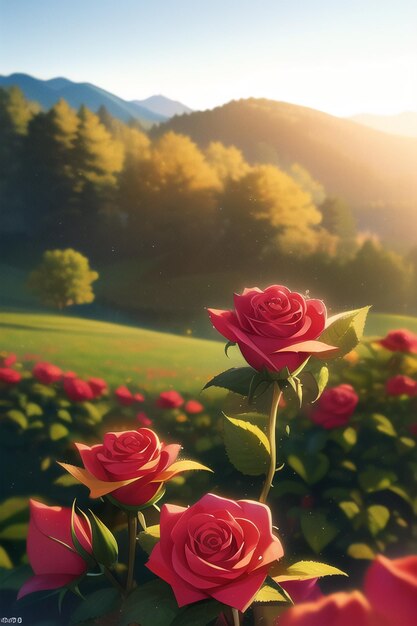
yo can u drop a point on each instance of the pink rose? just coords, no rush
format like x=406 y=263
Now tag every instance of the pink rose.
x=135 y=456
x=275 y=328
x=9 y=376
x=401 y=386
x=54 y=564
x=126 y=397
x=217 y=548
x=193 y=407
x=98 y=386
x=77 y=390
x=401 y=340
x=335 y=406
x=338 y=609
x=170 y=400
x=7 y=359
x=47 y=373
x=391 y=588
x=143 y=419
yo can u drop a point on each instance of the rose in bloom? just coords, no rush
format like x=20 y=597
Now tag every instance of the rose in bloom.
x=54 y=564
x=77 y=390
x=126 y=397
x=7 y=359
x=401 y=386
x=217 y=548
x=170 y=400
x=9 y=376
x=391 y=588
x=275 y=328
x=47 y=373
x=193 y=407
x=338 y=609
x=335 y=406
x=143 y=419
x=401 y=340
x=130 y=466
x=98 y=386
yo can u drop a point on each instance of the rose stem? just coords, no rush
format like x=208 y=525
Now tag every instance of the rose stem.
x=132 y=526
x=113 y=580
x=236 y=618
x=272 y=443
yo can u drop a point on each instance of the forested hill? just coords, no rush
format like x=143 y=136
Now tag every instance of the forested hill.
x=363 y=165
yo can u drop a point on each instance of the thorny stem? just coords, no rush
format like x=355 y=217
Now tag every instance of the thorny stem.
x=277 y=393
x=132 y=526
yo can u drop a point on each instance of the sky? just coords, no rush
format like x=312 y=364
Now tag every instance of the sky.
x=341 y=57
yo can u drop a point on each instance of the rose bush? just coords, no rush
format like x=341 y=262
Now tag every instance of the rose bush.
x=50 y=547
x=47 y=373
x=274 y=328
x=170 y=400
x=9 y=376
x=217 y=548
x=335 y=406
x=400 y=340
x=401 y=385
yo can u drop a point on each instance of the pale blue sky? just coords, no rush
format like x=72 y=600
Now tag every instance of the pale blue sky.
x=339 y=56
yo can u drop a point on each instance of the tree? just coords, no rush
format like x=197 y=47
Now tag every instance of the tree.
x=63 y=278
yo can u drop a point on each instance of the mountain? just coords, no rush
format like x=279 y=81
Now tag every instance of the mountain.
x=163 y=106
x=402 y=124
x=372 y=170
x=48 y=92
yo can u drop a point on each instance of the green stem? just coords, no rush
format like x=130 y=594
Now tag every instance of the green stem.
x=236 y=618
x=276 y=397
x=113 y=580
x=132 y=526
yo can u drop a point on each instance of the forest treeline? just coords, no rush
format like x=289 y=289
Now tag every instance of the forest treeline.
x=89 y=181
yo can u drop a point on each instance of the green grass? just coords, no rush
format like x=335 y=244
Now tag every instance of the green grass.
x=154 y=360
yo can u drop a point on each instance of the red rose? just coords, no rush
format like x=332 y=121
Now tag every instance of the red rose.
x=335 y=406
x=78 y=390
x=302 y=590
x=126 y=397
x=143 y=419
x=391 y=588
x=9 y=376
x=193 y=407
x=217 y=548
x=98 y=386
x=170 y=400
x=47 y=373
x=131 y=466
x=7 y=359
x=401 y=340
x=338 y=609
x=275 y=328
x=401 y=386
x=54 y=564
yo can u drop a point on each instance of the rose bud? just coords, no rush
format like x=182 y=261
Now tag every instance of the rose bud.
x=126 y=398
x=401 y=386
x=77 y=390
x=275 y=328
x=9 y=376
x=98 y=386
x=338 y=609
x=46 y=373
x=192 y=407
x=216 y=548
x=335 y=406
x=170 y=400
x=55 y=565
x=391 y=588
x=129 y=467
x=401 y=340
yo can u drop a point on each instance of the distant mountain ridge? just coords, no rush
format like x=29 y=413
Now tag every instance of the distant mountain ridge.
x=48 y=92
x=164 y=106
x=402 y=124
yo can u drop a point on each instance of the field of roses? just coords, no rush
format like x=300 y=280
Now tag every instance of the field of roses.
x=343 y=487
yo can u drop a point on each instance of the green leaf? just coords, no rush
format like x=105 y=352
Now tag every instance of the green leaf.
x=58 y=431
x=15 y=532
x=345 y=330
x=349 y=508
x=236 y=379
x=247 y=446
x=12 y=507
x=200 y=613
x=105 y=548
x=345 y=438
x=289 y=486
x=317 y=530
x=66 y=481
x=64 y=415
x=33 y=410
x=151 y=604
x=311 y=468
x=13 y=579
x=376 y=479
x=18 y=418
x=360 y=551
x=314 y=382
x=148 y=538
x=383 y=425
x=5 y=562
x=378 y=517
x=269 y=593
x=98 y=603
x=304 y=570
x=401 y=493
